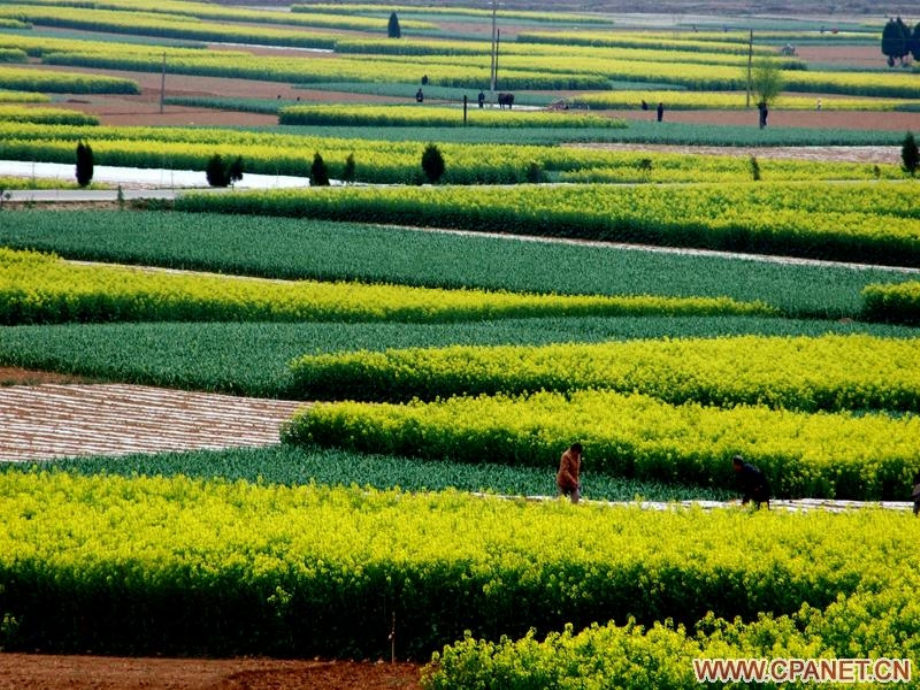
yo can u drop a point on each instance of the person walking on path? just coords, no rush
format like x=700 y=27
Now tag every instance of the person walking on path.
x=660 y=111
x=569 y=477
x=753 y=482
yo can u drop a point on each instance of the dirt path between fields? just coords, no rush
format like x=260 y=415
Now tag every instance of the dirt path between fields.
x=870 y=155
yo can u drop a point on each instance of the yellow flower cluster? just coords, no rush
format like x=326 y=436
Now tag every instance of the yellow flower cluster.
x=23 y=97
x=840 y=455
x=53 y=116
x=898 y=302
x=333 y=17
x=804 y=219
x=24 y=79
x=452 y=10
x=88 y=547
x=435 y=116
x=37 y=288
x=164 y=24
x=826 y=373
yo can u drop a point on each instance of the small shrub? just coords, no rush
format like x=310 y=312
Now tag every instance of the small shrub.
x=319 y=175
x=84 y=164
x=216 y=172
x=393 y=30
x=433 y=163
x=910 y=155
x=534 y=172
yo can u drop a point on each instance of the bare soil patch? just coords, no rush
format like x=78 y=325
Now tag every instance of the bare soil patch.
x=841 y=154
x=849 y=55
x=144 y=109
x=16 y=376
x=46 y=672
x=55 y=420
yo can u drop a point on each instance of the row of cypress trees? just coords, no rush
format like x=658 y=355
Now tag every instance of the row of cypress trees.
x=899 y=41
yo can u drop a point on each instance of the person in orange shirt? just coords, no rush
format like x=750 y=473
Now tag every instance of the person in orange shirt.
x=569 y=477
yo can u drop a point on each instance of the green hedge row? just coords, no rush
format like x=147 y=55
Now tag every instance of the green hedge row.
x=899 y=303
x=859 y=223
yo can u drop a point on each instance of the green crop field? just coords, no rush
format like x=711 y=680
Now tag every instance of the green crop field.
x=291 y=466
x=253 y=359
x=320 y=250
x=863 y=222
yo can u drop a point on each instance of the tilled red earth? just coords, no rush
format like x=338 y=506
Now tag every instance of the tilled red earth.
x=45 y=672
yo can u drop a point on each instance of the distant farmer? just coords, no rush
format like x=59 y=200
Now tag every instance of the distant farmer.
x=481 y=98
x=644 y=104
x=419 y=96
x=569 y=477
x=660 y=111
x=753 y=483
x=762 y=106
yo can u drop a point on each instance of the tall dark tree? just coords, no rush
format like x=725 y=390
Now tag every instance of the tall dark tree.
x=906 y=37
x=915 y=42
x=216 y=172
x=433 y=163
x=393 y=30
x=896 y=39
x=910 y=154
x=319 y=175
x=84 y=164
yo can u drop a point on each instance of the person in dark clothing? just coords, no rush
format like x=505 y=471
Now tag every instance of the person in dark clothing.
x=753 y=482
x=481 y=98
x=764 y=112
x=660 y=111
x=419 y=96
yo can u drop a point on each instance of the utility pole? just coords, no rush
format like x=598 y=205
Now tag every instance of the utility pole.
x=498 y=40
x=494 y=68
x=163 y=84
x=747 y=102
